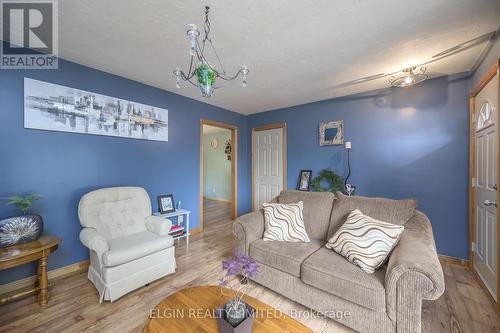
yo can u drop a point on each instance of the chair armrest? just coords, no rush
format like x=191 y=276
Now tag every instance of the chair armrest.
x=413 y=273
x=248 y=228
x=92 y=240
x=158 y=225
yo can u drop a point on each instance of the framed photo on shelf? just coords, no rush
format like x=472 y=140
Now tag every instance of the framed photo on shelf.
x=304 y=180
x=166 y=203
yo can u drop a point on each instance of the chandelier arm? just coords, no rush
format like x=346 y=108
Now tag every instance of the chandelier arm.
x=229 y=78
x=188 y=79
x=190 y=71
x=194 y=84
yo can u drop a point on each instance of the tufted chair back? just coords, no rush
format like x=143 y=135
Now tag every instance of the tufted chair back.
x=115 y=211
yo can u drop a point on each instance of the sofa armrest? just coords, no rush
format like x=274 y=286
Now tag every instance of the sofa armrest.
x=248 y=228
x=158 y=225
x=92 y=240
x=413 y=273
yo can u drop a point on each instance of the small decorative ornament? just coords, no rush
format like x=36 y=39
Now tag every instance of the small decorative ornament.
x=214 y=143
x=228 y=149
x=350 y=189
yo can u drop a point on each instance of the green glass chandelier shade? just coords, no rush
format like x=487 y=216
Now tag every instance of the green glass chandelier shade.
x=206 y=79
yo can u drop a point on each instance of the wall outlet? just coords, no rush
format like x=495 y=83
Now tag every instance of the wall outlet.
x=181 y=218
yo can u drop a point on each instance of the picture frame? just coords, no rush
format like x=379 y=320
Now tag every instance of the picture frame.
x=304 y=180
x=166 y=203
x=331 y=133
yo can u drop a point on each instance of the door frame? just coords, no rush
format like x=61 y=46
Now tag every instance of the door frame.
x=264 y=128
x=487 y=77
x=234 y=166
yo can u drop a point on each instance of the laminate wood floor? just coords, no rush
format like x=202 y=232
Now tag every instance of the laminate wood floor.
x=216 y=211
x=74 y=303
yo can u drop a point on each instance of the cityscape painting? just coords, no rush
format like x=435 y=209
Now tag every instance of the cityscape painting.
x=54 y=107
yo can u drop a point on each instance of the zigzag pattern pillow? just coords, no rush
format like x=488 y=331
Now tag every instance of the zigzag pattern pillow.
x=364 y=241
x=284 y=222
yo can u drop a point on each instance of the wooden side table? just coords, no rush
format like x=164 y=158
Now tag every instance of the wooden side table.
x=24 y=253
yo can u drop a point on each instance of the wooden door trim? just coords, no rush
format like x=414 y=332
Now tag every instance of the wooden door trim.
x=234 y=166
x=265 y=128
x=493 y=71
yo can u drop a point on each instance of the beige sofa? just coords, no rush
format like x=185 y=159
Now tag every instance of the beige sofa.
x=390 y=300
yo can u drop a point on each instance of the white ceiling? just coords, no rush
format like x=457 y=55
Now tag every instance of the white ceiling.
x=297 y=51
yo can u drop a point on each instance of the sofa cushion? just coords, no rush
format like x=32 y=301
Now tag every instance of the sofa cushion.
x=388 y=210
x=284 y=222
x=131 y=247
x=285 y=256
x=364 y=241
x=317 y=210
x=329 y=271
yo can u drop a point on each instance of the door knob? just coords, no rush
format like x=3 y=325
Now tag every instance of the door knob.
x=490 y=203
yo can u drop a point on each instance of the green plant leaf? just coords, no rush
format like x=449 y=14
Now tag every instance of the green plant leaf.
x=23 y=203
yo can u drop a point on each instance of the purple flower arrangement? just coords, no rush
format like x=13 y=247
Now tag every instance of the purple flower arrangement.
x=245 y=267
x=238 y=264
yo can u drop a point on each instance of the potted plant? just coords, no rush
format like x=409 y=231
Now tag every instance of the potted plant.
x=23 y=228
x=236 y=315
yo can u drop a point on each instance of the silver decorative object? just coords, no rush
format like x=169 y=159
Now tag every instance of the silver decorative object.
x=243 y=326
x=20 y=229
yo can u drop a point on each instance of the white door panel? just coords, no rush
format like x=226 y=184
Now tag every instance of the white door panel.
x=485 y=252
x=268 y=165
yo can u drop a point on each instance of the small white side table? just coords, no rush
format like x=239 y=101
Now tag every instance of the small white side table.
x=185 y=223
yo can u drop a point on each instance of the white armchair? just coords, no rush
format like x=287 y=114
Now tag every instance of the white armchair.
x=129 y=247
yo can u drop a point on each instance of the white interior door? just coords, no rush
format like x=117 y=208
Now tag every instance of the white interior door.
x=486 y=185
x=267 y=164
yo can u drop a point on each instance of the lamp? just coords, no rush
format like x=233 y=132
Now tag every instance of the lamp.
x=409 y=77
x=201 y=73
x=349 y=188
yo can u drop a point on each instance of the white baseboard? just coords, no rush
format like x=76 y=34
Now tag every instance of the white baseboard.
x=77 y=267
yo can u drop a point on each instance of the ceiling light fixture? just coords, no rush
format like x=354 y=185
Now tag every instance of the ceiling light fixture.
x=409 y=77
x=203 y=74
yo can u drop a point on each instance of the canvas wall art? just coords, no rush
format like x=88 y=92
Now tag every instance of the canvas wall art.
x=53 y=107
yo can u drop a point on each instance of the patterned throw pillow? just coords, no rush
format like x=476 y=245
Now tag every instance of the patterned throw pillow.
x=364 y=241
x=284 y=222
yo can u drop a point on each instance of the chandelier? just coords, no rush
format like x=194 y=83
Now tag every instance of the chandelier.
x=201 y=73
x=409 y=78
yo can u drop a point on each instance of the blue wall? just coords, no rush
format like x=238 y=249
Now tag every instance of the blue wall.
x=61 y=167
x=409 y=142
x=406 y=143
